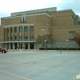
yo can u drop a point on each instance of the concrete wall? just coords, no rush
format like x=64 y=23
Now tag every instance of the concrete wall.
x=62 y=33
x=63 y=44
x=62 y=18
x=65 y=18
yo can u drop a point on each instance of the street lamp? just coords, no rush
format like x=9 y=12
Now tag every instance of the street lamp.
x=20 y=38
x=45 y=44
x=67 y=43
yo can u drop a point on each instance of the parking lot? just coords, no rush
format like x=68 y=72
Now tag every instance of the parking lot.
x=39 y=65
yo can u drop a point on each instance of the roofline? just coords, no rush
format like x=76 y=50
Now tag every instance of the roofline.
x=72 y=26
x=66 y=10
x=18 y=25
x=34 y=11
x=28 y=15
x=15 y=41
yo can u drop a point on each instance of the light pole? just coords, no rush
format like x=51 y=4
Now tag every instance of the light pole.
x=45 y=44
x=20 y=38
x=67 y=43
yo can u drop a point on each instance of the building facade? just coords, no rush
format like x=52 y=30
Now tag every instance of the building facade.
x=21 y=29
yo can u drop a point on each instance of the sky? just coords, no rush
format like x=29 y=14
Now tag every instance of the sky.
x=9 y=6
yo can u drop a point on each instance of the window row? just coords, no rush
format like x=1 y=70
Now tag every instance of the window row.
x=20 y=38
x=20 y=29
x=72 y=32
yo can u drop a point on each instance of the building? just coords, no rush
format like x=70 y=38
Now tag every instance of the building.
x=21 y=28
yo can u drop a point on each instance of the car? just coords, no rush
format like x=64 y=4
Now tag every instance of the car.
x=3 y=50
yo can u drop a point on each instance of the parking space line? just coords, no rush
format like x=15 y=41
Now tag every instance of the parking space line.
x=40 y=67
x=14 y=75
x=14 y=62
x=11 y=65
x=28 y=65
x=27 y=61
x=25 y=64
x=8 y=61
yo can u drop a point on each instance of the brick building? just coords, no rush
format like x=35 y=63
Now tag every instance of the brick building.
x=21 y=28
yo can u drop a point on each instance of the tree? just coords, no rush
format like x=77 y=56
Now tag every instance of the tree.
x=77 y=38
x=41 y=39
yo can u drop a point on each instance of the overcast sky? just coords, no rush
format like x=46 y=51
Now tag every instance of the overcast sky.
x=9 y=6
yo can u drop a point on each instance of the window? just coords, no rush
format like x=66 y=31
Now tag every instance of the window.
x=11 y=30
x=71 y=39
x=11 y=38
x=26 y=28
x=26 y=37
x=20 y=28
x=72 y=16
x=20 y=37
x=7 y=38
x=23 y=18
x=31 y=28
x=31 y=37
x=72 y=32
x=7 y=30
x=15 y=29
x=15 y=37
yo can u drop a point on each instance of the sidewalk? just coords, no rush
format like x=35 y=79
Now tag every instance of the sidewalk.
x=25 y=50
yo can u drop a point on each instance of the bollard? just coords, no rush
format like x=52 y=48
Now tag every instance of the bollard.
x=60 y=50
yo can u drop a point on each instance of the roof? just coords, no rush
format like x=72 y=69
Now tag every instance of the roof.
x=66 y=10
x=34 y=11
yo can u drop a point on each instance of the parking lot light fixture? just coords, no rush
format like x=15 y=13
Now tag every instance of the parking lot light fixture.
x=45 y=44
x=67 y=43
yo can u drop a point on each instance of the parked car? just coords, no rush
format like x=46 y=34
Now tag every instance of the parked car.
x=3 y=50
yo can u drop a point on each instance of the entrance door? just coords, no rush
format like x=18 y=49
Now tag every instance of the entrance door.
x=26 y=46
x=7 y=45
x=11 y=46
x=20 y=45
x=15 y=45
x=31 y=46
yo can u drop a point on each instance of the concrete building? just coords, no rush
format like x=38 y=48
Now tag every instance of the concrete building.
x=21 y=28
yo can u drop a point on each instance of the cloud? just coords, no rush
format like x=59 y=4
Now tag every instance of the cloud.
x=2 y=14
x=20 y=5
x=70 y=4
x=24 y=5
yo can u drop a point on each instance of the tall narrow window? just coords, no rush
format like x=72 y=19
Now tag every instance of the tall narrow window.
x=7 y=30
x=15 y=29
x=11 y=38
x=26 y=28
x=26 y=37
x=11 y=30
x=23 y=18
x=20 y=29
x=20 y=37
x=7 y=38
x=15 y=37
x=31 y=28
x=31 y=37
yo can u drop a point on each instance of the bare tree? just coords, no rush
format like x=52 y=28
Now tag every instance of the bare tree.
x=41 y=39
x=77 y=38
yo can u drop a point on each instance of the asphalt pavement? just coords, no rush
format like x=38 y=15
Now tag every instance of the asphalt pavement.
x=39 y=65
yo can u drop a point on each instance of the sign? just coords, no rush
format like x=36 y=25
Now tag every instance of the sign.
x=77 y=76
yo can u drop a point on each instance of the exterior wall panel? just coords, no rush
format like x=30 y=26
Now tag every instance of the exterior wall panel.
x=57 y=23
x=62 y=34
